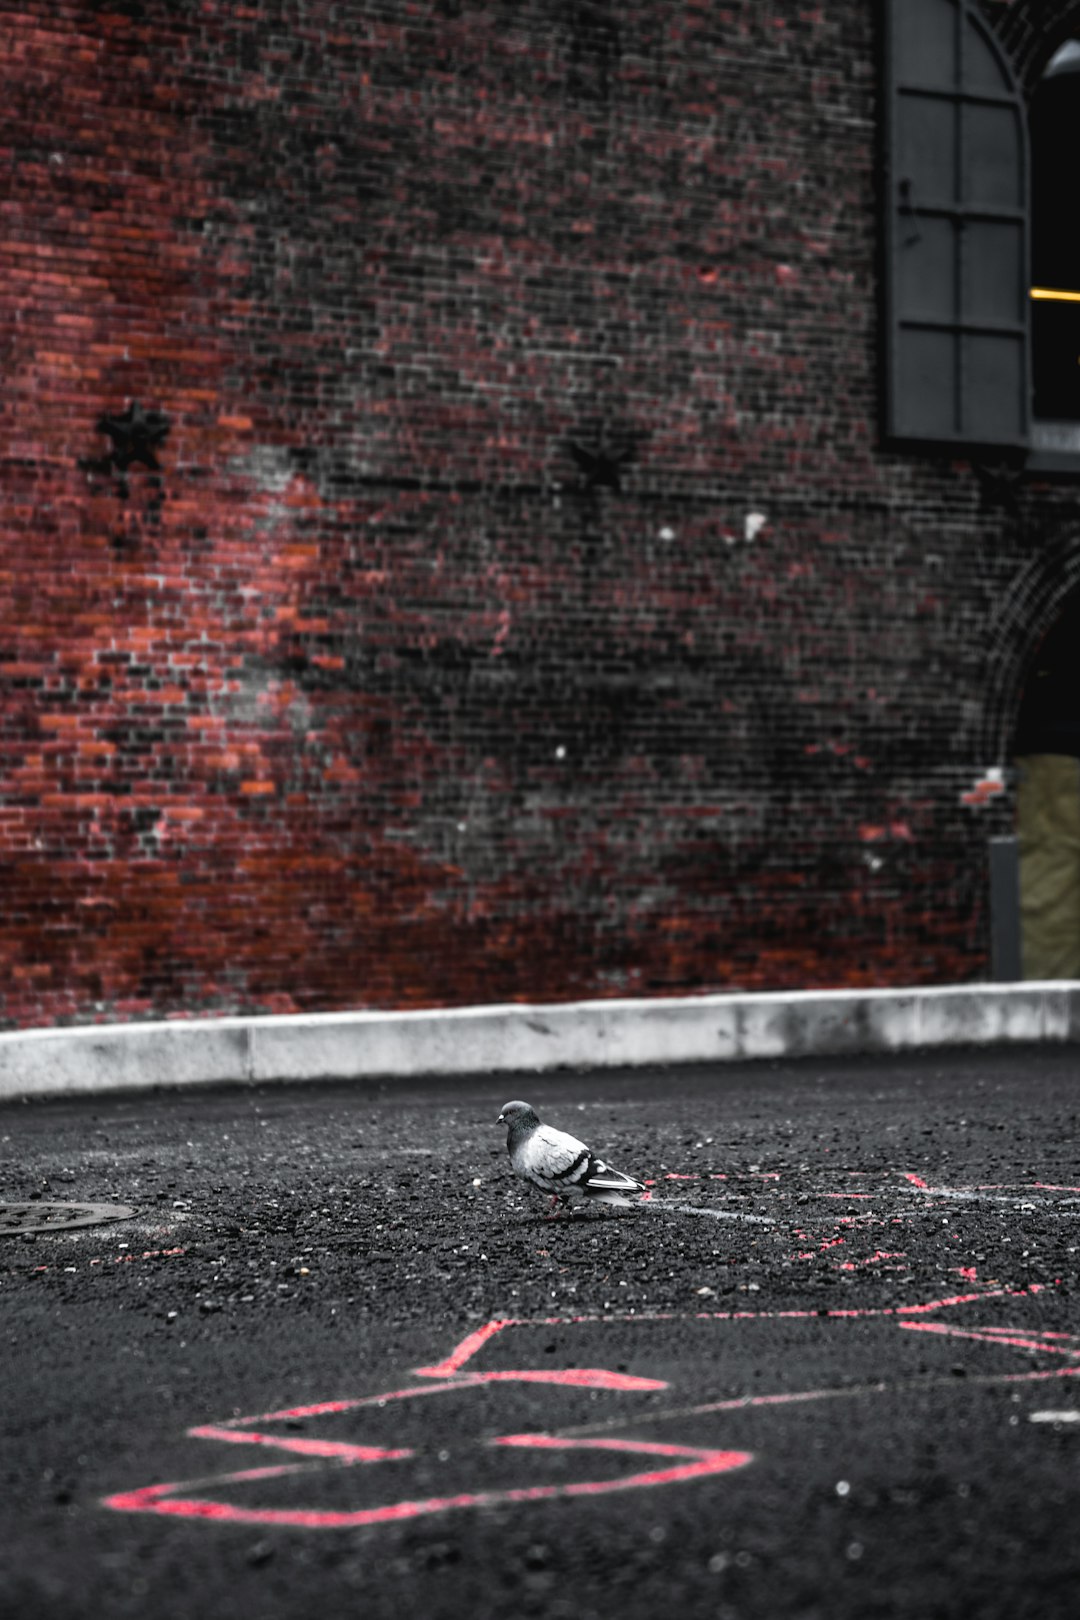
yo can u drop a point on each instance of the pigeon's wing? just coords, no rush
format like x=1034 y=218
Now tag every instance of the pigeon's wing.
x=559 y=1163
x=551 y=1158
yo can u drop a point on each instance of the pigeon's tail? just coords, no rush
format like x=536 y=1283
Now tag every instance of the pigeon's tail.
x=601 y=1181
x=608 y=1195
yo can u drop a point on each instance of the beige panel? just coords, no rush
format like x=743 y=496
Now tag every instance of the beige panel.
x=1048 y=826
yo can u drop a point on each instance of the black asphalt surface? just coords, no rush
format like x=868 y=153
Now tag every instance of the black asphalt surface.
x=830 y=1369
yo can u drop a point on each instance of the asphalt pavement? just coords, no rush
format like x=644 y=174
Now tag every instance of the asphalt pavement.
x=337 y=1361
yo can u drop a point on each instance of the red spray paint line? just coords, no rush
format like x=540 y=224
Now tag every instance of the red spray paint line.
x=467 y=1348
x=1042 y=1333
x=694 y=1463
x=331 y=1450
x=125 y=1259
x=982 y=1186
x=238 y=1431
x=476 y=1340
x=574 y=1377
x=149 y=1254
x=1017 y=1338
x=165 y=1499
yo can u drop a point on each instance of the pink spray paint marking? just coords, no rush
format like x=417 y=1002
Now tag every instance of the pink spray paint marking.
x=695 y=1462
x=466 y=1349
x=1016 y=1339
x=469 y=1346
x=1014 y=1188
x=170 y=1499
x=125 y=1259
x=879 y=1178
x=576 y=1377
x=238 y=1431
x=1007 y=1194
x=313 y=1454
x=685 y=1463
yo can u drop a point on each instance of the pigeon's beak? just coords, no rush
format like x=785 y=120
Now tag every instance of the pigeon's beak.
x=500 y=1120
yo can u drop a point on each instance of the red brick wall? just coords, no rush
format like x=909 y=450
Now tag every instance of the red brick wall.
x=440 y=659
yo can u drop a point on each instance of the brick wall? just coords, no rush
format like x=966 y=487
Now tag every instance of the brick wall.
x=446 y=553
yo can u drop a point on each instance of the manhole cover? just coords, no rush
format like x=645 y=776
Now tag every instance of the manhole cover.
x=41 y=1216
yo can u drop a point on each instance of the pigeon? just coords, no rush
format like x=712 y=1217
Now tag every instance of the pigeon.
x=559 y=1164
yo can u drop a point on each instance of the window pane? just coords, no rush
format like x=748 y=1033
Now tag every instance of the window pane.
x=928 y=149
x=982 y=71
x=1055 y=238
x=958 y=295
x=1056 y=337
x=992 y=157
x=1055 y=127
x=994 y=287
x=926 y=267
x=926 y=363
x=926 y=46
x=1055 y=247
x=994 y=388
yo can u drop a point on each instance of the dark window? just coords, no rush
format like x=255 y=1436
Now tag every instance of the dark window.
x=1055 y=238
x=1049 y=719
x=956 y=216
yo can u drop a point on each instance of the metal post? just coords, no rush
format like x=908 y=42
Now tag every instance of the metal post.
x=1005 y=961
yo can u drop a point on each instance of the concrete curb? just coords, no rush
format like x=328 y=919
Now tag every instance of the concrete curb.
x=518 y=1038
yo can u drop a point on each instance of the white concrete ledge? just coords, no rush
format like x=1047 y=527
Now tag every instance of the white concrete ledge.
x=521 y=1038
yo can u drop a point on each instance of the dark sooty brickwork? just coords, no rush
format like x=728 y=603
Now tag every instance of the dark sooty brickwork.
x=446 y=549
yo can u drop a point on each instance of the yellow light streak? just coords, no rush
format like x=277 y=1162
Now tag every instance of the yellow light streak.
x=1056 y=295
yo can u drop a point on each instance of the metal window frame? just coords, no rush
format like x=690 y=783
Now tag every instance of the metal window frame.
x=956 y=209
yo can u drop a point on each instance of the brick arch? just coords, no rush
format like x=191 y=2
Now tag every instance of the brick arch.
x=1031 y=31
x=1034 y=601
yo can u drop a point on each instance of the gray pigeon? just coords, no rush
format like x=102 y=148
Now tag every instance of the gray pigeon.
x=559 y=1164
